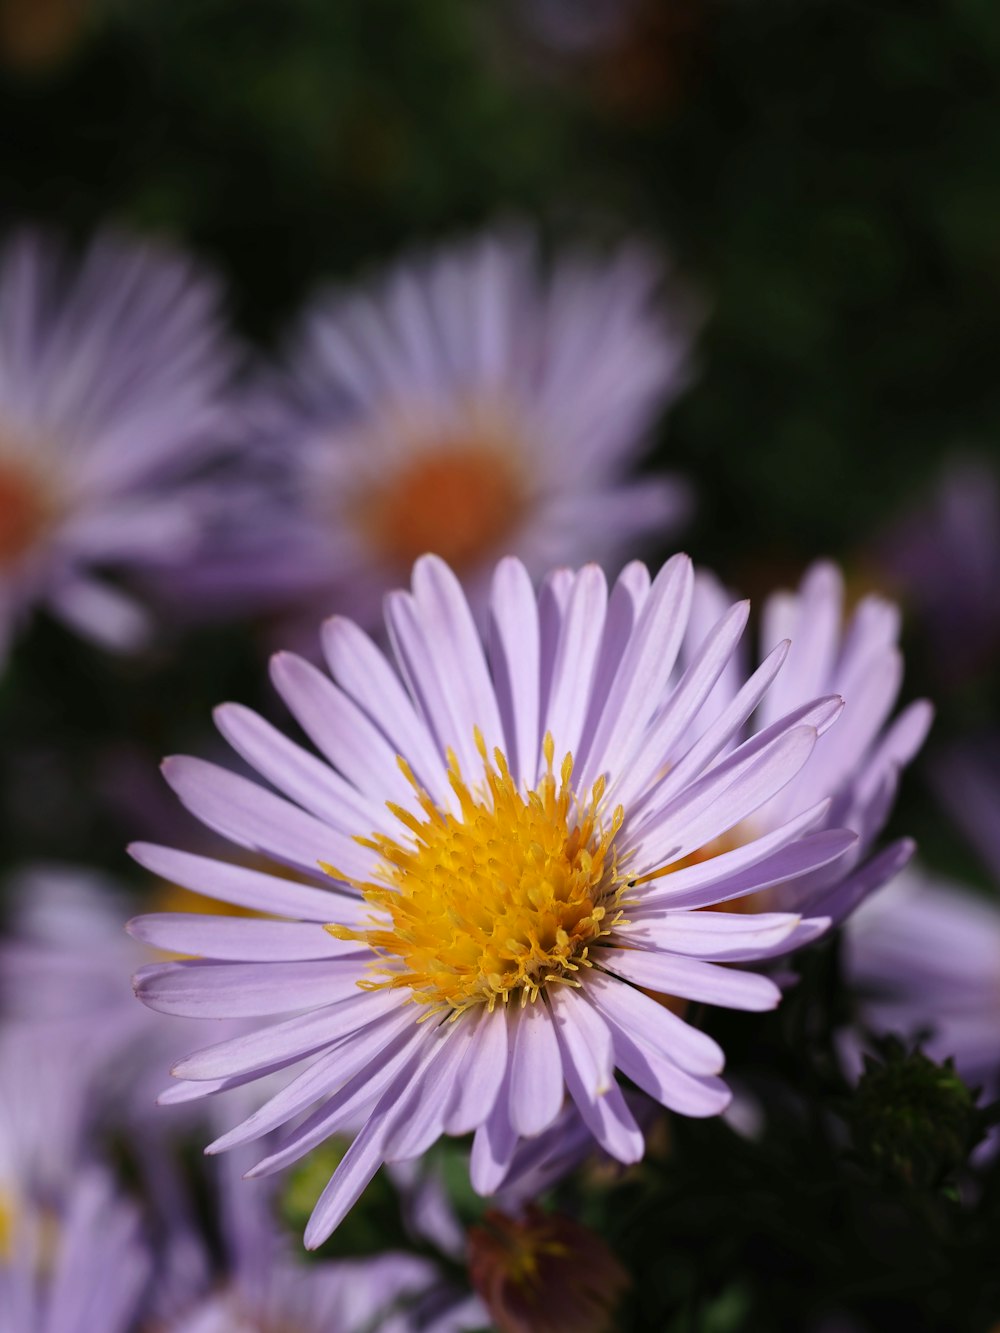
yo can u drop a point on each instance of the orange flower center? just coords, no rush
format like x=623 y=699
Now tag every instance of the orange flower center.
x=25 y=510
x=460 y=499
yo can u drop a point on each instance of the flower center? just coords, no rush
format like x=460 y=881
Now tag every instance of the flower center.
x=504 y=898
x=545 y=1270
x=25 y=510
x=7 y=1214
x=459 y=499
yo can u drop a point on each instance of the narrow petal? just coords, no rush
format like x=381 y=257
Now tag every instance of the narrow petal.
x=681 y=708
x=575 y=659
x=422 y=1123
x=459 y=661
x=253 y=818
x=243 y=887
x=606 y=1115
x=229 y=938
x=295 y=1037
x=690 y=978
x=657 y=1075
x=730 y=721
x=361 y=670
x=711 y=935
x=493 y=1146
x=723 y=798
x=356 y=1097
x=536 y=1076
x=647 y=661
x=355 y=1171
x=514 y=659
x=584 y=1038
x=340 y=729
x=242 y=990
x=308 y=781
x=626 y=1009
x=482 y=1073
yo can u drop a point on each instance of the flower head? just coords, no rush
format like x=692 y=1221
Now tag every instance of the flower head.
x=468 y=404
x=545 y=1273
x=72 y=1257
x=499 y=856
x=925 y=955
x=110 y=381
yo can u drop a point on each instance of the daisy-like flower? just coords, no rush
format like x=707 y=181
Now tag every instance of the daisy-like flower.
x=472 y=405
x=266 y=1289
x=110 y=382
x=943 y=556
x=925 y=955
x=545 y=1273
x=512 y=848
x=856 y=765
x=72 y=1258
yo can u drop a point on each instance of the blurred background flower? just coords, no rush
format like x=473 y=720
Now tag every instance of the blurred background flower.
x=469 y=404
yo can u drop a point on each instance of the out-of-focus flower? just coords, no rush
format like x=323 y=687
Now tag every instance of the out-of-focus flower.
x=545 y=1273
x=942 y=559
x=925 y=955
x=36 y=35
x=470 y=406
x=110 y=382
x=966 y=779
x=72 y=1258
x=855 y=767
x=634 y=59
x=266 y=1288
x=512 y=843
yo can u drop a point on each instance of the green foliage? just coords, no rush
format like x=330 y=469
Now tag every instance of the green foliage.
x=912 y=1122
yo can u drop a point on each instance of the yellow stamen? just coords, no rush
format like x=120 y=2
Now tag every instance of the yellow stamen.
x=7 y=1216
x=499 y=901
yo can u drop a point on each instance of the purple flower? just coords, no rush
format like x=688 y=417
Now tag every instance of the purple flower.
x=72 y=1258
x=511 y=844
x=815 y=649
x=267 y=1288
x=926 y=954
x=472 y=404
x=110 y=378
x=943 y=558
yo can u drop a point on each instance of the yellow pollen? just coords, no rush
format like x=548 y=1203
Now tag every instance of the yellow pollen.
x=498 y=901
x=460 y=499
x=7 y=1216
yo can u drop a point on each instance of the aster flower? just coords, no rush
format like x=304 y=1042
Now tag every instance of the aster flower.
x=63 y=970
x=498 y=833
x=72 y=1257
x=943 y=556
x=545 y=1273
x=468 y=404
x=967 y=782
x=856 y=765
x=266 y=1288
x=109 y=385
x=925 y=956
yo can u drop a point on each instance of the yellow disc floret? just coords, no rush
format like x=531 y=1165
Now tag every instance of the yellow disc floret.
x=498 y=900
x=7 y=1216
